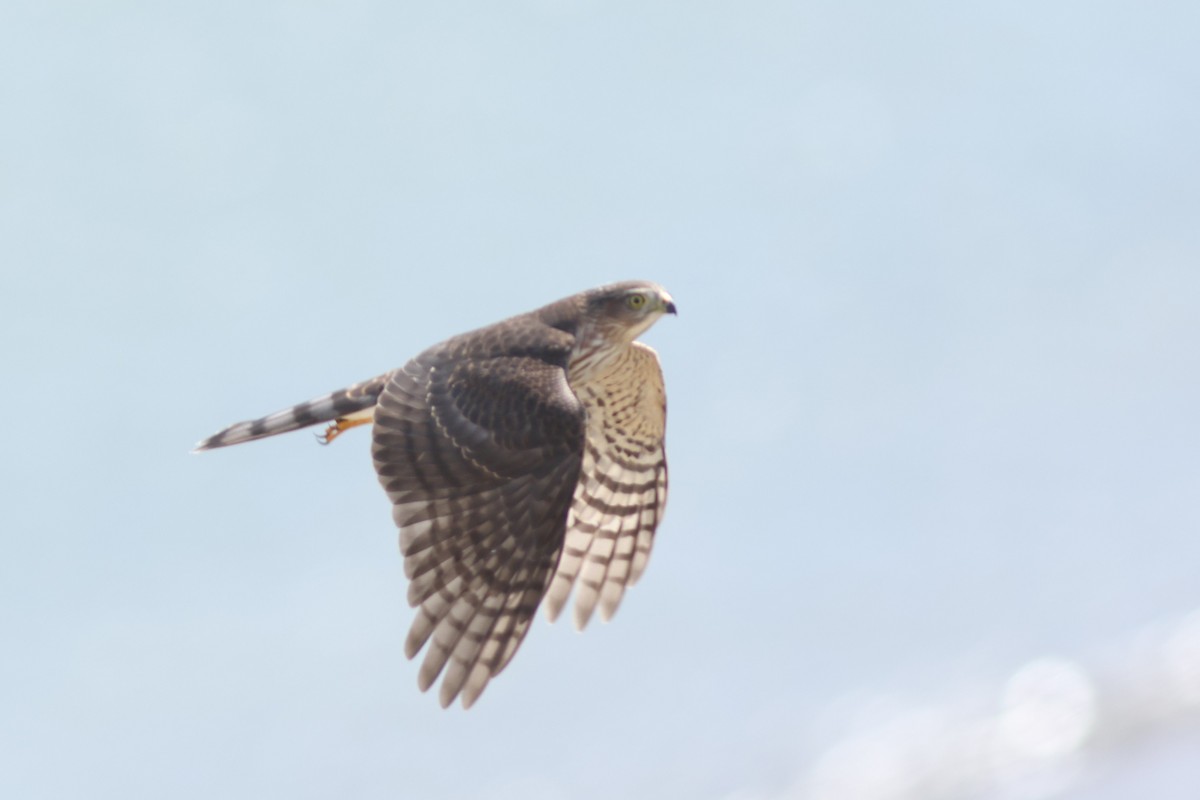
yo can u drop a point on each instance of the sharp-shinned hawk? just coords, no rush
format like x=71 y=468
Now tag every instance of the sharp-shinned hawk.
x=523 y=460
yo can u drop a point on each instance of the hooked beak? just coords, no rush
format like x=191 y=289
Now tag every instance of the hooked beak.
x=669 y=306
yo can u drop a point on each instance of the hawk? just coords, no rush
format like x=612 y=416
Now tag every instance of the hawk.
x=523 y=460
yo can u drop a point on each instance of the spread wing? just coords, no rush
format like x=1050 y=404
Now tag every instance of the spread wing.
x=479 y=452
x=622 y=489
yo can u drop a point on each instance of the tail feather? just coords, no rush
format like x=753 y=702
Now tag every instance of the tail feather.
x=328 y=407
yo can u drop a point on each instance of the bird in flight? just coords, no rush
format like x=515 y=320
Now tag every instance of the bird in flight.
x=523 y=460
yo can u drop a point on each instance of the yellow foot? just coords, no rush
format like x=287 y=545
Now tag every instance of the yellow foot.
x=339 y=426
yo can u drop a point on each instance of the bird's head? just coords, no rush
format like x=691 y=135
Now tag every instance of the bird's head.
x=625 y=310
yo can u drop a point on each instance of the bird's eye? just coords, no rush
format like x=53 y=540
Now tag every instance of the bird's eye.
x=636 y=301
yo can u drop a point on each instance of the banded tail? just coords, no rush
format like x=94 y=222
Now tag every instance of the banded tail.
x=356 y=400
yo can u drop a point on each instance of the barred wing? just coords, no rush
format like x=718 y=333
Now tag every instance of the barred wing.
x=480 y=457
x=622 y=489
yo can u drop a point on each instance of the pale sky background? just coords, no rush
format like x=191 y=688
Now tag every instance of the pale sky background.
x=934 y=385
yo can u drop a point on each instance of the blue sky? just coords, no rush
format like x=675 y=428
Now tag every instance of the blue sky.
x=933 y=385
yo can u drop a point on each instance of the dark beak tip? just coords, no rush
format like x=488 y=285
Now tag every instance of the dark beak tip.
x=671 y=308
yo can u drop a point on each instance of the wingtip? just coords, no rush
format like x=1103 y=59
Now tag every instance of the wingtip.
x=581 y=618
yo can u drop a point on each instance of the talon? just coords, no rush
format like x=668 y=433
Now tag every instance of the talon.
x=339 y=425
x=332 y=432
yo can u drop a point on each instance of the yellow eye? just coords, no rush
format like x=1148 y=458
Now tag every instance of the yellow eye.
x=636 y=301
